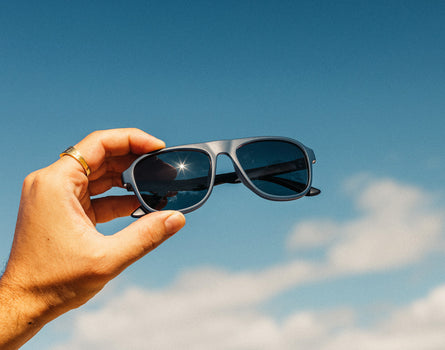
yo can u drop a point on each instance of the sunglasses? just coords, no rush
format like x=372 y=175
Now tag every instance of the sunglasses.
x=182 y=177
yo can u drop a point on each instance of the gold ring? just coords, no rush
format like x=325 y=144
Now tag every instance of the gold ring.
x=74 y=153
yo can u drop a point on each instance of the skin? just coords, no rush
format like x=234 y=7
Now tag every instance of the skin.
x=58 y=259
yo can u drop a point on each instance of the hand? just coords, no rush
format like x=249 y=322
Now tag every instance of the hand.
x=59 y=260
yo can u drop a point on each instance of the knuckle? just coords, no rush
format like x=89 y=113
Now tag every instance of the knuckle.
x=97 y=134
x=154 y=238
x=98 y=265
x=35 y=179
x=44 y=180
x=29 y=180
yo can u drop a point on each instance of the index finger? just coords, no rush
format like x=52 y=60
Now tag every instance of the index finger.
x=99 y=145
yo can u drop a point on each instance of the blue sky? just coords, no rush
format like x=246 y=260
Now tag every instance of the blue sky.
x=360 y=82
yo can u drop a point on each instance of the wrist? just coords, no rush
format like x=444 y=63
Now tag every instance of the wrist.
x=22 y=315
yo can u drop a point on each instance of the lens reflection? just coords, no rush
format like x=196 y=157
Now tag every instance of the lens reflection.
x=277 y=168
x=173 y=180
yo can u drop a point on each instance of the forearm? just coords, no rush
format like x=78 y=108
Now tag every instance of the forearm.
x=20 y=316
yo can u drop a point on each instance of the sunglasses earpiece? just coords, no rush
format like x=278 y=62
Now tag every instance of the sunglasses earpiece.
x=313 y=192
x=138 y=213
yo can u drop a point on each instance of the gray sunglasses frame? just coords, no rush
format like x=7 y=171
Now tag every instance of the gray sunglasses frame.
x=213 y=149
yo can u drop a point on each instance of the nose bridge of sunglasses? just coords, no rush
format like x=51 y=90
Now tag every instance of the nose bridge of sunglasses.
x=225 y=171
x=224 y=164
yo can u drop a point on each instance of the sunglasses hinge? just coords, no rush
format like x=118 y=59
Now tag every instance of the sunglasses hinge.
x=128 y=187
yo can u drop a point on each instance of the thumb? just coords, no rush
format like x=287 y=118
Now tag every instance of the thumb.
x=142 y=236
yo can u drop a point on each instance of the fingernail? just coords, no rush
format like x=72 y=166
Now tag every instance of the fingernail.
x=174 y=222
x=159 y=141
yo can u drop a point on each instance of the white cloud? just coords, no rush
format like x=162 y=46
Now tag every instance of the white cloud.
x=204 y=308
x=211 y=308
x=397 y=225
x=141 y=319
x=419 y=325
x=313 y=234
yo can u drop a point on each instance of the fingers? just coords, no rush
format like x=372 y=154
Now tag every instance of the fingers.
x=109 y=174
x=113 y=164
x=144 y=235
x=112 y=207
x=101 y=145
x=104 y=184
x=108 y=153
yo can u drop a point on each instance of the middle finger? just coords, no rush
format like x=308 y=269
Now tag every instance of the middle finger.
x=105 y=183
x=113 y=165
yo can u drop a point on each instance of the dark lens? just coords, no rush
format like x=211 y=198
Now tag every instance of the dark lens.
x=278 y=168
x=173 y=180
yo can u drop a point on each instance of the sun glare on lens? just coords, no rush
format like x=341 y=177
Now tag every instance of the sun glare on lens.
x=182 y=167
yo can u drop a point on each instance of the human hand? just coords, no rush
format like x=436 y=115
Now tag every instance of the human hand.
x=59 y=260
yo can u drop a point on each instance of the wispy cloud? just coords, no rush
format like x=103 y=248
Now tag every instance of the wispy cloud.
x=397 y=224
x=211 y=308
x=418 y=325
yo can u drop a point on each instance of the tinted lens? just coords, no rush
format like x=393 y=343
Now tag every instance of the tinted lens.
x=277 y=168
x=173 y=180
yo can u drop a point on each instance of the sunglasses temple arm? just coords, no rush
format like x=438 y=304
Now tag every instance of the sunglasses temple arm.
x=139 y=212
x=275 y=169
x=313 y=192
x=233 y=178
x=227 y=178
